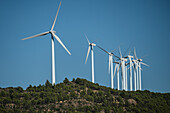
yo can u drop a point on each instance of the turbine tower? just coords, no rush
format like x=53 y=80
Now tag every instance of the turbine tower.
x=91 y=45
x=126 y=76
x=53 y=35
x=110 y=64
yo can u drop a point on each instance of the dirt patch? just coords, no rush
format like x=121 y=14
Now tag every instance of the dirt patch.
x=132 y=101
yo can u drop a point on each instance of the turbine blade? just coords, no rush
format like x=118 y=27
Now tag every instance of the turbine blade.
x=56 y=16
x=58 y=39
x=141 y=68
x=135 y=53
x=130 y=62
x=102 y=49
x=119 y=68
x=126 y=51
x=127 y=64
x=87 y=38
x=41 y=34
x=113 y=50
x=144 y=64
x=133 y=65
x=116 y=56
x=94 y=41
x=87 y=54
x=129 y=51
x=120 y=52
x=115 y=70
x=143 y=56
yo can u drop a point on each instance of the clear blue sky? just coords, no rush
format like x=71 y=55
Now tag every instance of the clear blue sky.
x=144 y=24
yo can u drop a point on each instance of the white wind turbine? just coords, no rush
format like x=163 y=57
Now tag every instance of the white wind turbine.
x=117 y=69
x=91 y=45
x=52 y=32
x=135 y=67
x=122 y=65
x=139 y=62
x=130 y=67
x=110 y=64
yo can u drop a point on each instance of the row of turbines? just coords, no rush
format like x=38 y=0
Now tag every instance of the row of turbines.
x=120 y=64
x=123 y=64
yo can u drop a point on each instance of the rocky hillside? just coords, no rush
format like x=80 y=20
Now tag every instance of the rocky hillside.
x=80 y=95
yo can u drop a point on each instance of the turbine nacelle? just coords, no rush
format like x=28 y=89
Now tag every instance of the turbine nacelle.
x=140 y=60
x=92 y=44
x=129 y=56
x=123 y=59
x=111 y=54
x=52 y=31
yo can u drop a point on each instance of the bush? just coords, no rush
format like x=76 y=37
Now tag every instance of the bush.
x=3 y=94
x=19 y=89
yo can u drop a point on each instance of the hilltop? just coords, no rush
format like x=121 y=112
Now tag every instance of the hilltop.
x=80 y=95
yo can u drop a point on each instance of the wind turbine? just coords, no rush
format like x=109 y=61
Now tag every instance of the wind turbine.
x=130 y=67
x=117 y=68
x=91 y=45
x=135 y=67
x=122 y=66
x=53 y=35
x=110 y=64
x=139 y=62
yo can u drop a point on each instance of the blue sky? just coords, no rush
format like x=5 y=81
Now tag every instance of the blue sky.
x=110 y=23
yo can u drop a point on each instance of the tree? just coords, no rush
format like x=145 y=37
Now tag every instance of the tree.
x=48 y=84
x=29 y=87
x=66 y=81
x=73 y=80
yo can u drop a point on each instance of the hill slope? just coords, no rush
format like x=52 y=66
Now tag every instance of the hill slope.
x=80 y=95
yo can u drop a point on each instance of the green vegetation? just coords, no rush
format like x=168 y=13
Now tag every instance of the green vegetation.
x=80 y=95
